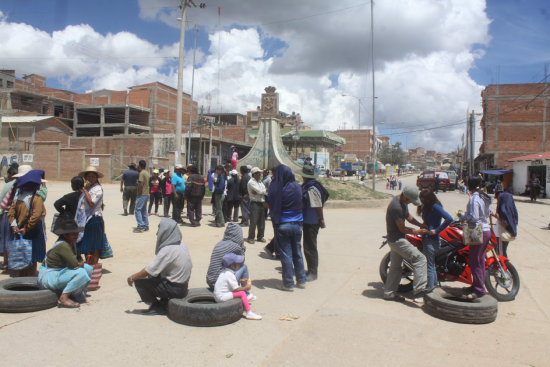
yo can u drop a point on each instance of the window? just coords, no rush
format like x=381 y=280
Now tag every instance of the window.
x=26 y=101
x=9 y=84
x=1 y=83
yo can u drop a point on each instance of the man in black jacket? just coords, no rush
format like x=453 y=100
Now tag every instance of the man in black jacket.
x=194 y=192
x=245 y=199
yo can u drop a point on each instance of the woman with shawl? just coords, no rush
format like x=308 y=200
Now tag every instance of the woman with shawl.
x=90 y=214
x=285 y=203
x=507 y=215
x=25 y=217
x=167 y=276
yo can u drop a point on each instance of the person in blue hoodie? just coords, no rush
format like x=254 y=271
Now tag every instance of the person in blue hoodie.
x=432 y=213
x=218 y=194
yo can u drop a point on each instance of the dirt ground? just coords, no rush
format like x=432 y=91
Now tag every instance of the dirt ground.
x=342 y=319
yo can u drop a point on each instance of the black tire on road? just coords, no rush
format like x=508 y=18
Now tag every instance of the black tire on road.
x=24 y=295
x=200 y=309
x=503 y=289
x=406 y=274
x=446 y=306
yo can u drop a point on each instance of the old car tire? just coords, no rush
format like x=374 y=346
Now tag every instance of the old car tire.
x=199 y=308
x=446 y=306
x=24 y=295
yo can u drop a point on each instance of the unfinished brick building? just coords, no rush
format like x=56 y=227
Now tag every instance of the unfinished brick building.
x=514 y=123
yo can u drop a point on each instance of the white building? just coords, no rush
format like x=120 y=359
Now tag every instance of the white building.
x=525 y=166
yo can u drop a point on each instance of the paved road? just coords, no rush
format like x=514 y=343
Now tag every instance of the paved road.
x=342 y=318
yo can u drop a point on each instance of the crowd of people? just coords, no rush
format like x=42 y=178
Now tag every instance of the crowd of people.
x=70 y=265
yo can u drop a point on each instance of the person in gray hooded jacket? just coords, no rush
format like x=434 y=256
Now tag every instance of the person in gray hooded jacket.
x=232 y=242
x=167 y=276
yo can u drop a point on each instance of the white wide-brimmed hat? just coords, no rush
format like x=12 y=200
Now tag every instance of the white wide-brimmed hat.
x=91 y=169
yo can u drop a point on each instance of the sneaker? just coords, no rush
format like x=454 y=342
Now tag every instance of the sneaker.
x=251 y=297
x=311 y=277
x=473 y=295
x=125 y=212
x=262 y=240
x=145 y=229
x=286 y=289
x=394 y=297
x=138 y=230
x=419 y=300
x=252 y=316
x=250 y=241
x=301 y=285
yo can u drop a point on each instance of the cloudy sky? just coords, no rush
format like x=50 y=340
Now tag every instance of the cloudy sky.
x=432 y=58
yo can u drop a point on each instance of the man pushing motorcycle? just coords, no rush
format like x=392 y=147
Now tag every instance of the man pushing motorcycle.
x=396 y=215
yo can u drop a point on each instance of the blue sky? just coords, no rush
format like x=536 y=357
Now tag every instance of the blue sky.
x=432 y=57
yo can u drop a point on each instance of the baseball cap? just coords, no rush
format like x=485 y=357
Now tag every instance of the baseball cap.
x=232 y=258
x=411 y=193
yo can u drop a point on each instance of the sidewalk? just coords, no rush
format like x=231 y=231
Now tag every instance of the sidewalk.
x=525 y=199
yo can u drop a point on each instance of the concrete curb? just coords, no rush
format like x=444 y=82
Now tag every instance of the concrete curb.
x=359 y=204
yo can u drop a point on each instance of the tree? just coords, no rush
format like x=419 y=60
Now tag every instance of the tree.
x=393 y=154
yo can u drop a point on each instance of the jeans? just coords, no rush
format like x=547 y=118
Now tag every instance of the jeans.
x=167 y=203
x=141 y=211
x=430 y=246
x=155 y=197
x=151 y=288
x=129 y=194
x=242 y=273
x=177 y=207
x=257 y=218
x=289 y=236
x=476 y=260
x=218 y=202
x=402 y=249
x=310 y=247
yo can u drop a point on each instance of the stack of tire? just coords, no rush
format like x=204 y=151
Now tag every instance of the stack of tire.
x=24 y=295
x=447 y=306
x=199 y=308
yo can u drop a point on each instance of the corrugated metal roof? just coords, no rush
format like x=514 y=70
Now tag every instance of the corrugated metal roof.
x=543 y=155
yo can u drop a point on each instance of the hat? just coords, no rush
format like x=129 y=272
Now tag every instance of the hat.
x=161 y=168
x=248 y=167
x=33 y=176
x=22 y=170
x=179 y=166
x=91 y=169
x=132 y=165
x=231 y=258
x=308 y=159
x=411 y=193
x=255 y=170
x=65 y=224
x=308 y=172
x=233 y=172
x=155 y=171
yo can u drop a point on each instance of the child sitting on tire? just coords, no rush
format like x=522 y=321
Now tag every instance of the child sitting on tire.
x=227 y=287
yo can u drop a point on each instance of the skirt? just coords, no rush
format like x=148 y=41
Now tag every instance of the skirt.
x=5 y=231
x=36 y=235
x=93 y=239
x=65 y=280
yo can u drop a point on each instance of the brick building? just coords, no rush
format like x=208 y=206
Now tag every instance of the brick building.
x=358 y=142
x=514 y=123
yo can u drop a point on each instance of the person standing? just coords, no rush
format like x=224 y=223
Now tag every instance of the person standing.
x=477 y=213
x=245 y=199
x=285 y=204
x=155 y=194
x=396 y=214
x=233 y=198
x=432 y=213
x=534 y=187
x=178 y=192
x=128 y=188
x=6 y=199
x=314 y=196
x=507 y=216
x=167 y=276
x=167 y=193
x=256 y=192
x=234 y=157
x=142 y=196
x=219 y=190
x=266 y=179
x=194 y=192
x=437 y=181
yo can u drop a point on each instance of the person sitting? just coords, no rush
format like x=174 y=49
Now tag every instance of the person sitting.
x=63 y=268
x=227 y=287
x=167 y=276
x=232 y=242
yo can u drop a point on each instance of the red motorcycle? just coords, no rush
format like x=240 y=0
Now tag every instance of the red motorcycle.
x=451 y=264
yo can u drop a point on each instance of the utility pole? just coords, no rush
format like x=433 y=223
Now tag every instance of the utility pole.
x=210 y=146
x=373 y=95
x=471 y=137
x=188 y=155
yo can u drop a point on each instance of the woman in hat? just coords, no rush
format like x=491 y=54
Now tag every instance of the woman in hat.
x=63 y=269
x=25 y=216
x=93 y=239
x=6 y=199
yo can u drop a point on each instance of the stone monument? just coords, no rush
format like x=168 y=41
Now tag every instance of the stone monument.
x=268 y=150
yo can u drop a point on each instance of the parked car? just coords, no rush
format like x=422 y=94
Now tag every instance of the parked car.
x=337 y=172
x=453 y=179
x=427 y=180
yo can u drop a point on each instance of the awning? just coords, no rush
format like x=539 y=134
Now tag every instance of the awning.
x=497 y=172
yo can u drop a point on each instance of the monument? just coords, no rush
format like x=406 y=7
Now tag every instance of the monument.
x=268 y=150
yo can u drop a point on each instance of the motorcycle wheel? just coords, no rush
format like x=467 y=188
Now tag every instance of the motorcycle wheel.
x=504 y=287
x=406 y=274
